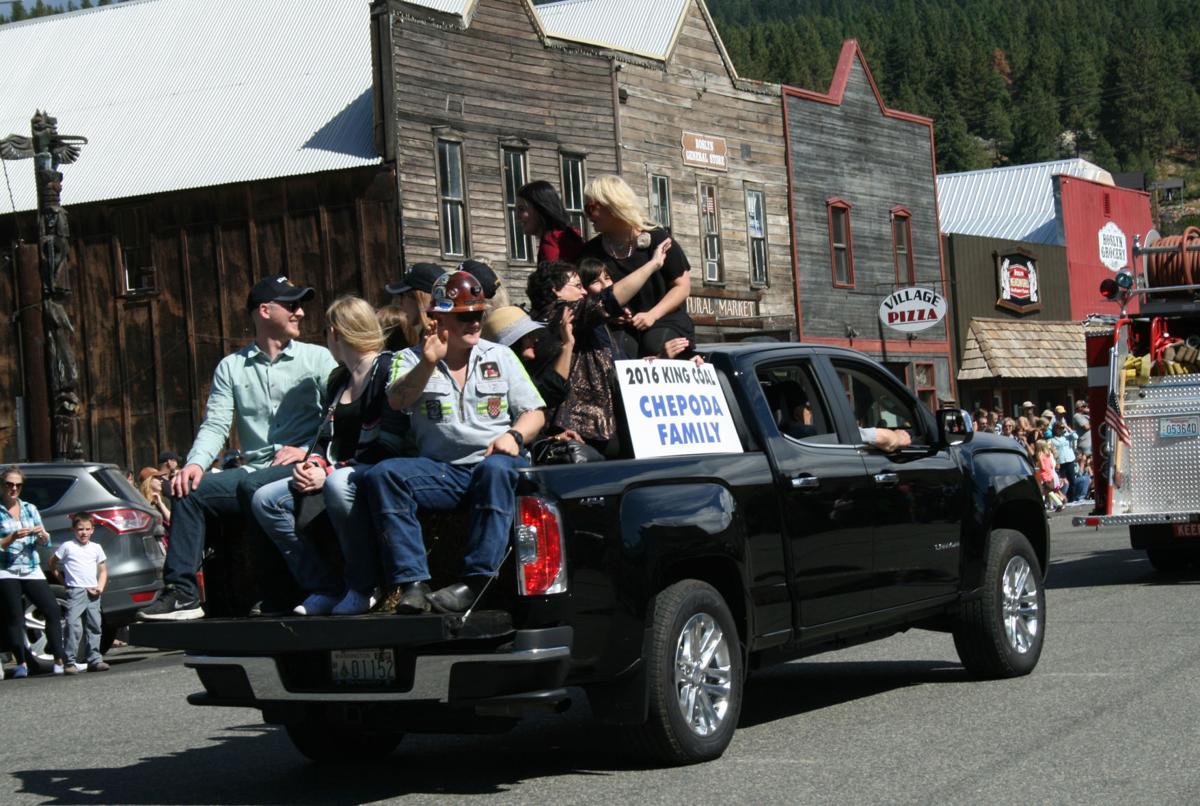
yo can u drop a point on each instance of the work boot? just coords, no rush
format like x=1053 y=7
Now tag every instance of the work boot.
x=457 y=598
x=414 y=598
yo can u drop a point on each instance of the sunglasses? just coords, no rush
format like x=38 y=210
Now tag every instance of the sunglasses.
x=469 y=317
x=14 y=485
x=292 y=306
x=591 y=207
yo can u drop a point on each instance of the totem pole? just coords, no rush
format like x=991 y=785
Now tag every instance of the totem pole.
x=49 y=149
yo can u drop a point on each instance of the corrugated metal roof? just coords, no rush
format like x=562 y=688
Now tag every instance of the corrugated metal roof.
x=1015 y=203
x=1010 y=348
x=458 y=7
x=176 y=94
x=632 y=26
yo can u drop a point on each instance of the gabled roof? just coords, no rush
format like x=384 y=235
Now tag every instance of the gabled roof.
x=178 y=94
x=851 y=54
x=637 y=27
x=1015 y=203
x=1011 y=348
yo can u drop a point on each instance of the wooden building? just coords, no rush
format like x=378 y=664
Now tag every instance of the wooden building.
x=181 y=200
x=479 y=96
x=864 y=217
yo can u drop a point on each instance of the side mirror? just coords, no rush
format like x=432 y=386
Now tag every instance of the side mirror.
x=954 y=426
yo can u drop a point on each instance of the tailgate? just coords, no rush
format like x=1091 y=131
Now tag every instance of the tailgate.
x=265 y=636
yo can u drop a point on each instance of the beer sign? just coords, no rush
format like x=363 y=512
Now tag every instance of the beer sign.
x=705 y=151
x=912 y=309
x=1018 y=278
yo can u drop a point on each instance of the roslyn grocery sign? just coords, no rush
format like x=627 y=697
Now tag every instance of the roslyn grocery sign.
x=912 y=309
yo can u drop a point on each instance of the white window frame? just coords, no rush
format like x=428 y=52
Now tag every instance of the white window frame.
x=452 y=209
x=573 y=169
x=710 y=234
x=520 y=248
x=660 y=208
x=756 y=244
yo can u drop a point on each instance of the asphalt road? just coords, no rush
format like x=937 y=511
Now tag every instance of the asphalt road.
x=1109 y=716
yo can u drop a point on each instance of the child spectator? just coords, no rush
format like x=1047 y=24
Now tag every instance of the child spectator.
x=83 y=568
x=1047 y=474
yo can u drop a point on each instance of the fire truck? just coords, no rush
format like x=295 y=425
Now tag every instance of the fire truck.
x=1144 y=398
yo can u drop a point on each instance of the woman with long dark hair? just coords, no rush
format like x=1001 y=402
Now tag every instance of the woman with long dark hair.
x=542 y=216
x=626 y=240
x=21 y=532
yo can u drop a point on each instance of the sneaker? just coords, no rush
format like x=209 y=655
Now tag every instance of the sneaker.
x=172 y=605
x=58 y=668
x=352 y=604
x=317 y=604
x=19 y=671
x=80 y=667
x=98 y=666
x=73 y=668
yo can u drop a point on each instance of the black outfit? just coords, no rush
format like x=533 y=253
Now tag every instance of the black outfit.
x=366 y=430
x=674 y=324
x=38 y=592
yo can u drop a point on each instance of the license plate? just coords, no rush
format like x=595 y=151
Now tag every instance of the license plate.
x=355 y=667
x=1176 y=427
x=1186 y=529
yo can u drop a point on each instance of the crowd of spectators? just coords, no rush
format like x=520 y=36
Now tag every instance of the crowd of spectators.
x=1058 y=443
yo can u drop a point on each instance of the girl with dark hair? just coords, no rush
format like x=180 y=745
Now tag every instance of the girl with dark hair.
x=542 y=216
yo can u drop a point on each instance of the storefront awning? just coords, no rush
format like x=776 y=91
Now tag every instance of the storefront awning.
x=1007 y=348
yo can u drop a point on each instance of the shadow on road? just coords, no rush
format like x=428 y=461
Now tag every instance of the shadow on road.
x=1112 y=567
x=797 y=688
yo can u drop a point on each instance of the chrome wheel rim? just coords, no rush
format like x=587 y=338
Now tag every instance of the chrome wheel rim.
x=702 y=674
x=1022 y=613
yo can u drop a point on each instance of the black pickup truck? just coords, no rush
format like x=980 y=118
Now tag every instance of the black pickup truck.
x=655 y=585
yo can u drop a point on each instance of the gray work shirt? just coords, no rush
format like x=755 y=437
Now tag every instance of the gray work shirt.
x=455 y=425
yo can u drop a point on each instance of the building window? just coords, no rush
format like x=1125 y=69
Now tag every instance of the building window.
x=902 y=246
x=513 y=168
x=137 y=258
x=660 y=200
x=841 y=243
x=452 y=199
x=756 y=236
x=925 y=384
x=574 y=177
x=710 y=233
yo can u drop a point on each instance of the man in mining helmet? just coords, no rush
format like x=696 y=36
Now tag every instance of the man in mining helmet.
x=473 y=410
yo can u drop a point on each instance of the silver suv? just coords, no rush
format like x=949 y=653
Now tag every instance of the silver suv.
x=126 y=526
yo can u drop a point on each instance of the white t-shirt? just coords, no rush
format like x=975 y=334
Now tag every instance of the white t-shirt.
x=79 y=563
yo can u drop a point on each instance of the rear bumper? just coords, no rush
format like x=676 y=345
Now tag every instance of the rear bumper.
x=535 y=660
x=1144 y=519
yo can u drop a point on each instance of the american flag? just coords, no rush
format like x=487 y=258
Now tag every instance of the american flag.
x=1114 y=420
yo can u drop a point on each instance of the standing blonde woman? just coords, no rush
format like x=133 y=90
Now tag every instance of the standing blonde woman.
x=362 y=431
x=626 y=241
x=150 y=485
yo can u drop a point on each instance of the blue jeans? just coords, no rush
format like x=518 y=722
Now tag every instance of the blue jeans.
x=274 y=507
x=83 y=616
x=219 y=495
x=396 y=488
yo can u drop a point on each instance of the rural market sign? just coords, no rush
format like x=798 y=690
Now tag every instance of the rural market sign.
x=1114 y=249
x=912 y=309
x=675 y=408
x=705 y=151
x=722 y=307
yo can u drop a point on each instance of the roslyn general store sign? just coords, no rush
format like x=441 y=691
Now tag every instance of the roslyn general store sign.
x=912 y=309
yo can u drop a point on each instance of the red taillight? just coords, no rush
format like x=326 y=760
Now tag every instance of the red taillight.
x=144 y=596
x=541 y=567
x=123 y=519
x=1091 y=522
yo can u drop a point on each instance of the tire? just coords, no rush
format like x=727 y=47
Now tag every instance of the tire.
x=694 y=707
x=1001 y=633
x=327 y=742
x=1172 y=562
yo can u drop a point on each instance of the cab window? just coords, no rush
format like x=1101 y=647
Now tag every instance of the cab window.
x=877 y=402
x=797 y=411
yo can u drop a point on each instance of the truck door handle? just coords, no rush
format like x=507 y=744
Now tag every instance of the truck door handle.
x=805 y=482
x=887 y=479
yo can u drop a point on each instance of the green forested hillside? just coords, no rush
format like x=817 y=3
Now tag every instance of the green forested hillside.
x=1006 y=82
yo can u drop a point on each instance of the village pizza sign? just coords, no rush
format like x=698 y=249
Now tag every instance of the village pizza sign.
x=912 y=310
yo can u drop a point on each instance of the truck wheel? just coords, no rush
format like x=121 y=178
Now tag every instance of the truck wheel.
x=328 y=742
x=694 y=674
x=1170 y=561
x=1000 y=634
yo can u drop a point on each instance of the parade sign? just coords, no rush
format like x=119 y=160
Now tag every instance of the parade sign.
x=705 y=151
x=912 y=309
x=675 y=408
x=1114 y=249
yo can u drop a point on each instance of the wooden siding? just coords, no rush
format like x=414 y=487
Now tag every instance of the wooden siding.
x=975 y=287
x=694 y=92
x=146 y=359
x=494 y=80
x=853 y=152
